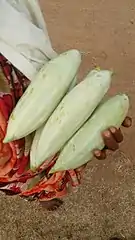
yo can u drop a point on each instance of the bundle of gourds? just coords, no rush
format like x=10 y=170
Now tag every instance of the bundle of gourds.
x=64 y=118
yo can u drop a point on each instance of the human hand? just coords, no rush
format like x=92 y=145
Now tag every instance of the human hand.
x=112 y=137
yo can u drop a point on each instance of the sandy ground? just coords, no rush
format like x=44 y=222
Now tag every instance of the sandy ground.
x=104 y=206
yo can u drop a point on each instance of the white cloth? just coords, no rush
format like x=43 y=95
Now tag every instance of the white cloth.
x=24 y=39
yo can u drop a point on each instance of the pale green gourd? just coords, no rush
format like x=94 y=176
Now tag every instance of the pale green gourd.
x=43 y=95
x=79 y=149
x=39 y=130
x=74 y=109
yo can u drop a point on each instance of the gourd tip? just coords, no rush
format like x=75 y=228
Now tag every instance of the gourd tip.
x=6 y=140
x=52 y=171
x=112 y=72
x=97 y=68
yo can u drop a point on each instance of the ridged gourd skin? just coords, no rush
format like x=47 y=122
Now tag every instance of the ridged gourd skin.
x=74 y=109
x=43 y=95
x=79 y=149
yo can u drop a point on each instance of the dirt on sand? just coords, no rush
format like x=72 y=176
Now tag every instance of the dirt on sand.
x=104 y=206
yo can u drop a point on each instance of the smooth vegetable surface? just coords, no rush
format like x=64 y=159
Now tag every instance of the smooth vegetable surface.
x=71 y=113
x=43 y=95
x=39 y=130
x=35 y=144
x=79 y=149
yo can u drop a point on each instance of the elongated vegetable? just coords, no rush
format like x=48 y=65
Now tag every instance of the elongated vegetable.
x=73 y=84
x=71 y=113
x=43 y=95
x=35 y=143
x=39 y=130
x=79 y=150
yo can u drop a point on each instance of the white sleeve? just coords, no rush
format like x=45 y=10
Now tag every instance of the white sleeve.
x=24 y=39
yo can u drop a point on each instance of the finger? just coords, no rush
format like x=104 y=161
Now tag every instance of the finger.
x=117 y=134
x=100 y=155
x=127 y=122
x=110 y=141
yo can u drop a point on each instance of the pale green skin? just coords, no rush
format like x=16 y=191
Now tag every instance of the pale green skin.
x=79 y=149
x=38 y=134
x=43 y=95
x=74 y=109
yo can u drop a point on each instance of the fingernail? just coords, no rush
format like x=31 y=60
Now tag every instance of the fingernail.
x=97 y=153
x=107 y=134
x=113 y=129
x=129 y=122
